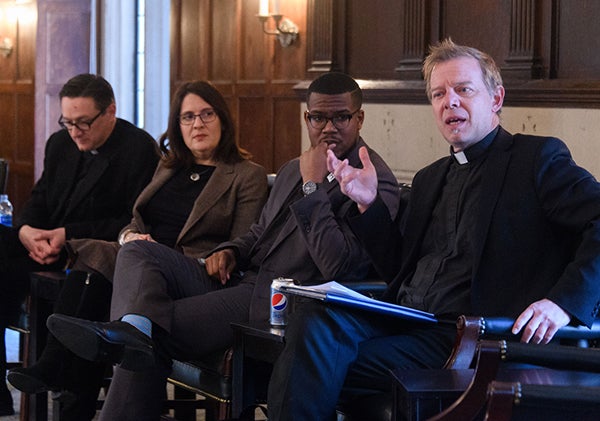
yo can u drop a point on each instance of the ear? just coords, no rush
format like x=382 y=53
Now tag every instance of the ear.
x=306 y=117
x=498 y=99
x=112 y=109
x=360 y=118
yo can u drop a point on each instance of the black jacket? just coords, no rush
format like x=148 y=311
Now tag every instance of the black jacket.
x=538 y=230
x=101 y=204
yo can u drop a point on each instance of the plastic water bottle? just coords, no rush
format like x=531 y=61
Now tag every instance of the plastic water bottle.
x=6 y=210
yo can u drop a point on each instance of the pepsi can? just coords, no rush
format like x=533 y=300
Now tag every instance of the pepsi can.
x=280 y=302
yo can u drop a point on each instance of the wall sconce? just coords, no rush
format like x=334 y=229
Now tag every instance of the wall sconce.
x=13 y=13
x=285 y=30
x=6 y=47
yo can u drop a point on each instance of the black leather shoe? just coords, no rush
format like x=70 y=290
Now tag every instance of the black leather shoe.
x=30 y=380
x=114 y=342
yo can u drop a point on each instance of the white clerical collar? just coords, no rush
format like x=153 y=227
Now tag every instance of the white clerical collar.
x=461 y=158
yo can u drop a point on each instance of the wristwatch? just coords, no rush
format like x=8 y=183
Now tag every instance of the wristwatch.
x=309 y=187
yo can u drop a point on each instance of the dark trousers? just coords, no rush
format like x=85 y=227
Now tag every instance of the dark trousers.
x=333 y=356
x=15 y=266
x=191 y=315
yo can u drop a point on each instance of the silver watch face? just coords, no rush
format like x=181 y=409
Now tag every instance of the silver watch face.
x=309 y=187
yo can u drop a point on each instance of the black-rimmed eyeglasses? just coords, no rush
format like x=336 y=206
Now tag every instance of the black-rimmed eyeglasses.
x=340 y=121
x=206 y=116
x=84 y=126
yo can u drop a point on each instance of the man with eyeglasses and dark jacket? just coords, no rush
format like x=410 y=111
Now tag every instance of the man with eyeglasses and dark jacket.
x=94 y=169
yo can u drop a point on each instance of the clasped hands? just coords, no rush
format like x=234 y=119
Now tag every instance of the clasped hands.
x=44 y=246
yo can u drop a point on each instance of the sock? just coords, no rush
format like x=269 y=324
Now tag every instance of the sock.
x=141 y=323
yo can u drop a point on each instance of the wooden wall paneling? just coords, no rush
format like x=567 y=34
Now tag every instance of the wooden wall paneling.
x=287 y=126
x=264 y=71
x=522 y=61
x=544 y=37
x=553 y=42
x=289 y=67
x=326 y=23
x=413 y=27
x=21 y=173
x=26 y=33
x=190 y=35
x=22 y=170
x=579 y=40
x=16 y=99
x=289 y=63
x=8 y=29
x=255 y=129
x=7 y=122
x=175 y=45
x=8 y=117
x=255 y=48
x=254 y=67
x=223 y=53
x=373 y=44
x=481 y=24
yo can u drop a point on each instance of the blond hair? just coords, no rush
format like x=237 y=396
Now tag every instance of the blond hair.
x=448 y=50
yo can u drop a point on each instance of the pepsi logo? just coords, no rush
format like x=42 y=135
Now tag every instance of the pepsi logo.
x=279 y=301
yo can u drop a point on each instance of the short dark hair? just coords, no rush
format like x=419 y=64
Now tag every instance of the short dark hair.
x=335 y=83
x=176 y=153
x=87 y=85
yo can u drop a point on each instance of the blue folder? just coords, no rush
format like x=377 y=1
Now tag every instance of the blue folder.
x=335 y=293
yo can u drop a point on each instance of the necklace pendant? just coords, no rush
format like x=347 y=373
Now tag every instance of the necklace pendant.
x=194 y=176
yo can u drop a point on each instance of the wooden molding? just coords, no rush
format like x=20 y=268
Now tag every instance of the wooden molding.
x=326 y=18
x=538 y=93
x=522 y=63
x=414 y=48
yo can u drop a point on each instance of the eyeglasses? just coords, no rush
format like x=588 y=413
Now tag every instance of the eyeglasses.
x=206 y=116
x=340 y=121
x=84 y=126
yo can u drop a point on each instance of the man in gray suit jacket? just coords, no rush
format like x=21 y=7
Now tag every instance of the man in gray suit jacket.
x=504 y=226
x=187 y=308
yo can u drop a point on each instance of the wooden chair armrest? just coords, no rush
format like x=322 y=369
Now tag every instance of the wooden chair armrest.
x=470 y=329
x=468 y=332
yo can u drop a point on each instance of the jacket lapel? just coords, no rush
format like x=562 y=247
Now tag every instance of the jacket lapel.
x=430 y=188
x=288 y=228
x=98 y=166
x=492 y=181
x=69 y=172
x=219 y=183
x=161 y=176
